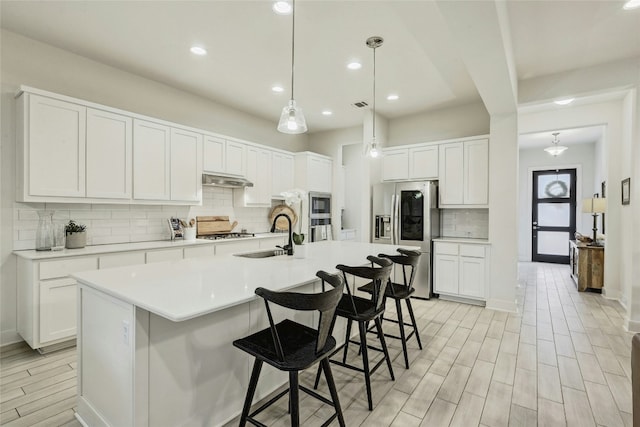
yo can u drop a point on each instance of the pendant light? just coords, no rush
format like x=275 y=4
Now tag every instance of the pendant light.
x=292 y=118
x=554 y=149
x=374 y=42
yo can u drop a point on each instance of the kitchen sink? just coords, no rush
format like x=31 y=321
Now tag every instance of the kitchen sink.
x=261 y=254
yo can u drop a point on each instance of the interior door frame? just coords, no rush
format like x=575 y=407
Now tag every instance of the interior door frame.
x=573 y=218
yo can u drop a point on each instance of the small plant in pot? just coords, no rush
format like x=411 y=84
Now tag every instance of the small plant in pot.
x=300 y=248
x=298 y=239
x=76 y=235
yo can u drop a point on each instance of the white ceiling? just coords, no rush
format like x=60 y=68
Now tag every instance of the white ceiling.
x=568 y=137
x=249 y=48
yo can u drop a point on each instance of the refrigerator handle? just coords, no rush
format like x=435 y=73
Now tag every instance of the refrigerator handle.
x=393 y=219
x=396 y=219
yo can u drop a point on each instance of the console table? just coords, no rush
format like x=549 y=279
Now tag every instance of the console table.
x=587 y=265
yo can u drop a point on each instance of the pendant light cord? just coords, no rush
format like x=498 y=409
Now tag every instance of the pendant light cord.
x=374 y=93
x=293 y=42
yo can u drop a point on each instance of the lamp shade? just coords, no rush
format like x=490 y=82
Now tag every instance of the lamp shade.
x=594 y=205
x=292 y=119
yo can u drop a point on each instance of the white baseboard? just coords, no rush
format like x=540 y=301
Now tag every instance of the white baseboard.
x=502 y=305
x=611 y=294
x=631 y=325
x=9 y=337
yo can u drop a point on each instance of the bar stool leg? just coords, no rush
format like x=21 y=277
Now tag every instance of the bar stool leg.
x=294 y=399
x=253 y=383
x=403 y=338
x=346 y=341
x=384 y=347
x=365 y=362
x=413 y=320
x=332 y=389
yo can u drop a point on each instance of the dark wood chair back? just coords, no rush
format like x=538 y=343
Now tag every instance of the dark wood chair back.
x=408 y=259
x=379 y=276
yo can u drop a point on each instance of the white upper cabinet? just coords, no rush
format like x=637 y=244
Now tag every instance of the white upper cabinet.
x=186 y=170
x=313 y=172
x=464 y=173
x=235 y=157
x=259 y=173
x=151 y=161
x=109 y=155
x=423 y=162
x=395 y=164
x=281 y=173
x=214 y=150
x=51 y=148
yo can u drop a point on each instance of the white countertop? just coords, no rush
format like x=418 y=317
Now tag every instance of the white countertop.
x=462 y=240
x=137 y=246
x=185 y=289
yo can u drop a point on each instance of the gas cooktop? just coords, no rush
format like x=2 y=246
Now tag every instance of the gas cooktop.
x=221 y=236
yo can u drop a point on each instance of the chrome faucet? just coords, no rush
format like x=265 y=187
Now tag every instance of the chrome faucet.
x=289 y=247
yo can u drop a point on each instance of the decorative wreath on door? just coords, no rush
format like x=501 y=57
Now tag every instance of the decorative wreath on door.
x=556 y=189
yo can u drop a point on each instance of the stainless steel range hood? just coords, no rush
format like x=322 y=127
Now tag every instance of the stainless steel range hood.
x=225 y=181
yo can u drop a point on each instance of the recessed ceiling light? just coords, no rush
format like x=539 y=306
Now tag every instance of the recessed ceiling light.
x=277 y=89
x=392 y=97
x=282 y=7
x=354 y=65
x=197 y=50
x=327 y=112
x=564 y=101
x=631 y=4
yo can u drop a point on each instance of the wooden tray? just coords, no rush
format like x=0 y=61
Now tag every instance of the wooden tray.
x=282 y=223
x=214 y=225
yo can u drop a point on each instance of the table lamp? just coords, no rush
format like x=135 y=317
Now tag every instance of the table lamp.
x=594 y=206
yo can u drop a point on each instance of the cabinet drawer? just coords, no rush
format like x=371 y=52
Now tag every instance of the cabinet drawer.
x=476 y=251
x=64 y=267
x=199 y=251
x=164 y=255
x=446 y=248
x=121 y=260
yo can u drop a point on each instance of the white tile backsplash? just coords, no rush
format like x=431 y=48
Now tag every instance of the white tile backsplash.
x=111 y=223
x=470 y=223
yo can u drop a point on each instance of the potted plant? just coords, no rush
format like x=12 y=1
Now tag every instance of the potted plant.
x=76 y=235
x=300 y=248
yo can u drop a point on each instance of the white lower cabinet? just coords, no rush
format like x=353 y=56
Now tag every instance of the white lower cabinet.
x=57 y=309
x=461 y=269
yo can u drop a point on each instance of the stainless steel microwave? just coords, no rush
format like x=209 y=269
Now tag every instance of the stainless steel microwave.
x=319 y=205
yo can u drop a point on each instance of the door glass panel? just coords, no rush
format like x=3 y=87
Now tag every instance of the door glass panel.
x=411 y=215
x=553 y=243
x=554 y=214
x=554 y=186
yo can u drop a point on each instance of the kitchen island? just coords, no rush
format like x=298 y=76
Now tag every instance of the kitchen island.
x=155 y=341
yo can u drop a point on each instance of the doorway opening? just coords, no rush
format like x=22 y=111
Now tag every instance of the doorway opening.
x=553 y=215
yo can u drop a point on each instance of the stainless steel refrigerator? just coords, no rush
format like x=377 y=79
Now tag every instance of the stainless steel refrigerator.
x=407 y=214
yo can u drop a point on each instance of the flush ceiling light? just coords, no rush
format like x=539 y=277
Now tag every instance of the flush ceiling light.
x=197 y=50
x=564 y=101
x=327 y=113
x=374 y=42
x=354 y=65
x=292 y=118
x=282 y=7
x=277 y=89
x=631 y=4
x=392 y=97
x=554 y=149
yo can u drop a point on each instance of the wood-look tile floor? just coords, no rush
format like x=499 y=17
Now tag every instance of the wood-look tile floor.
x=564 y=359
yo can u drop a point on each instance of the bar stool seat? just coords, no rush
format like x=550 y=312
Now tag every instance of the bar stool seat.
x=291 y=347
x=408 y=260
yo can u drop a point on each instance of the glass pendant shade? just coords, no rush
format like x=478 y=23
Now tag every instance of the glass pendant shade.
x=373 y=149
x=556 y=150
x=292 y=119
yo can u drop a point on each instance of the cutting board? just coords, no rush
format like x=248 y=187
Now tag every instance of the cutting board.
x=214 y=225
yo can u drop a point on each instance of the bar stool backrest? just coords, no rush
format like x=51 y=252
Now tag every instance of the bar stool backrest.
x=408 y=259
x=324 y=302
x=379 y=276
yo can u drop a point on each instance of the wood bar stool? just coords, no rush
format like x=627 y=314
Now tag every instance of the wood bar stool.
x=292 y=347
x=363 y=310
x=408 y=261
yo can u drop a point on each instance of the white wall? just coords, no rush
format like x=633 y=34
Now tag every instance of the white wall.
x=28 y=62
x=582 y=158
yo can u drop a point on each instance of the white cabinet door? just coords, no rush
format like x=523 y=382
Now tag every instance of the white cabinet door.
x=472 y=275
x=395 y=165
x=452 y=174
x=235 y=158
x=57 y=309
x=319 y=174
x=186 y=172
x=259 y=173
x=109 y=153
x=445 y=273
x=281 y=172
x=214 y=150
x=476 y=169
x=56 y=147
x=423 y=162
x=151 y=160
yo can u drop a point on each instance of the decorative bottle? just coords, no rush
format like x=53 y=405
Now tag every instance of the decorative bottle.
x=44 y=235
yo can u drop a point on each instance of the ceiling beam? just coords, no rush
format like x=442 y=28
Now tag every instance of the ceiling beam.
x=480 y=29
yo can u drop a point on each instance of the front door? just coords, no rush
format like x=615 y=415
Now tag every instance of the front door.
x=553 y=215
